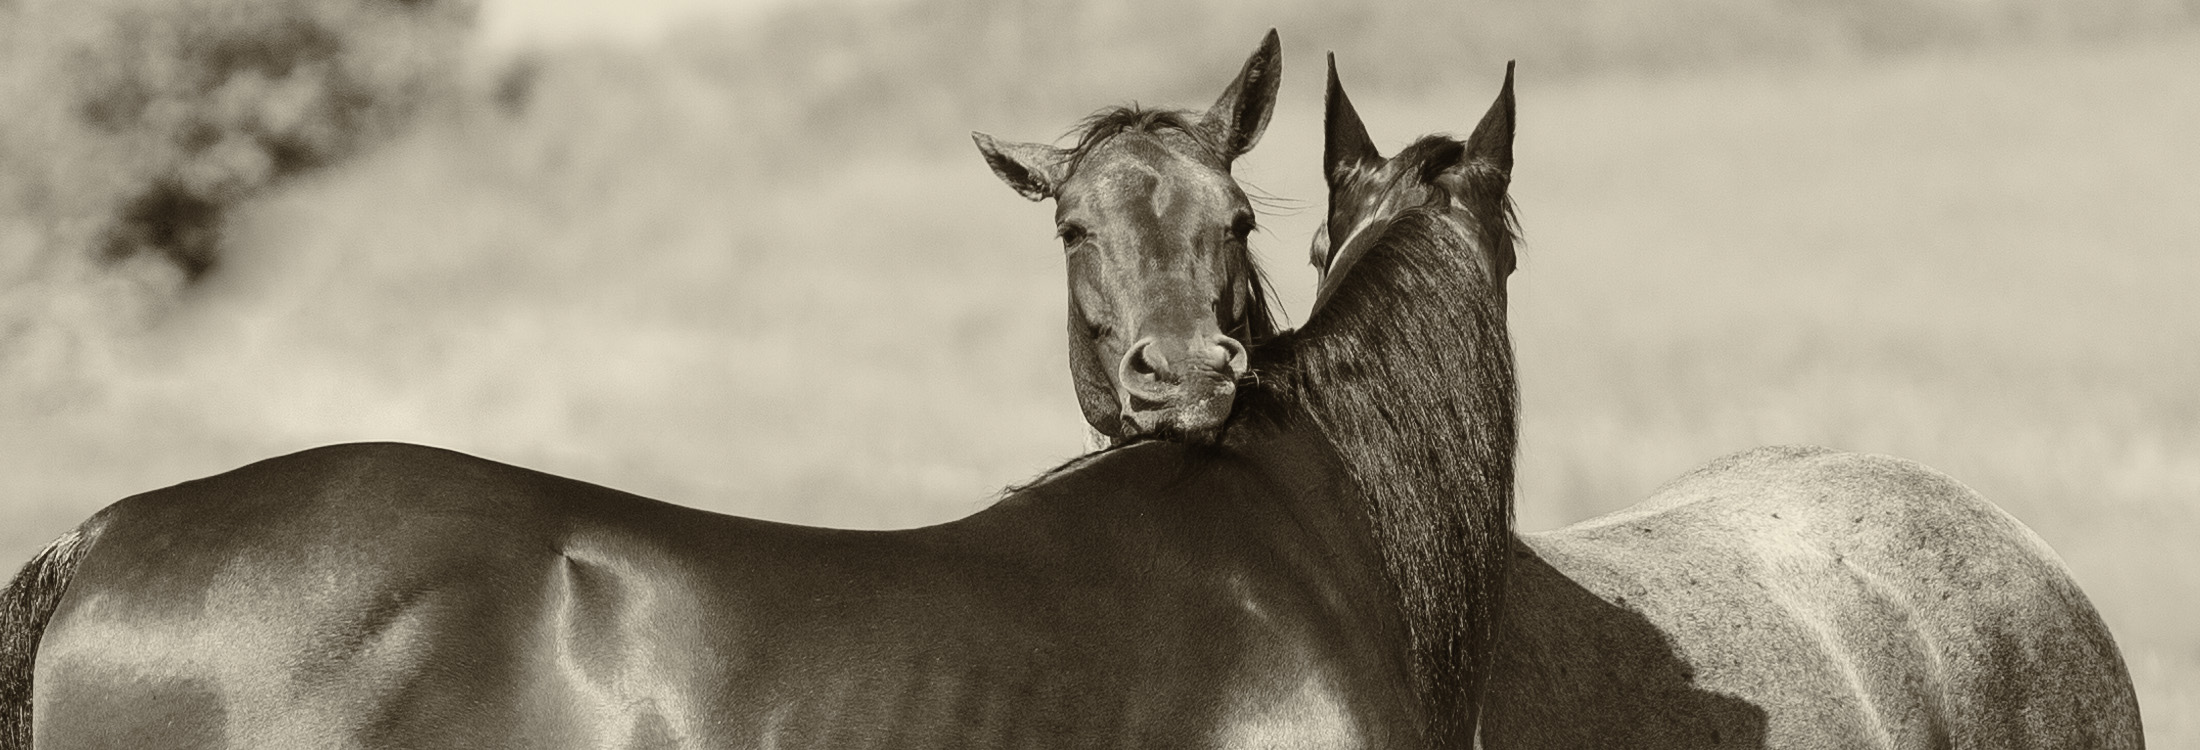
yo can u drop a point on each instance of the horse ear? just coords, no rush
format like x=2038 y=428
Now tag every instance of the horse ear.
x=1346 y=145
x=1490 y=148
x=1035 y=170
x=1241 y=114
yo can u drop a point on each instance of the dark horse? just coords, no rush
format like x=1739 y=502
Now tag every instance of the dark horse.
x=1164 y=299
x=1786 y=597
x=1304 y=582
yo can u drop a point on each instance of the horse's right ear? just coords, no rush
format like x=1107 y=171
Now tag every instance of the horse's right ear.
x=1241 y=114
x=1490 y=148
x=1035 y=170
x=1346 y=146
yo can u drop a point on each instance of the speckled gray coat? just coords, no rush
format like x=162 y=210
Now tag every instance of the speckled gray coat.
x=1796 y=597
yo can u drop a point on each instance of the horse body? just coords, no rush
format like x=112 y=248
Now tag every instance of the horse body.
x=399 y=596
x=1784 y=597
x=1803 y=598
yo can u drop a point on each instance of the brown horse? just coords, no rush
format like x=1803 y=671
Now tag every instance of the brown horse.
x=1780 y=597
x=1307 y=581
x=1164 y=298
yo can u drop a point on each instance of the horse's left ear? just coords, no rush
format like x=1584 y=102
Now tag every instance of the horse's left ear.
x=1241 y=114
x=1490 y=148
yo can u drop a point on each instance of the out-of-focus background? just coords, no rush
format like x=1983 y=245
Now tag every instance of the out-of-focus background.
x=742 y=256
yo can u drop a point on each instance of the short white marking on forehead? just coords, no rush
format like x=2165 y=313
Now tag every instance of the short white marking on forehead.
x=1167 y=195
x=1167 y=156
x=1114 y=177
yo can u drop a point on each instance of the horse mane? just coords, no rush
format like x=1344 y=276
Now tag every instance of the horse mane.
x=1408 y=372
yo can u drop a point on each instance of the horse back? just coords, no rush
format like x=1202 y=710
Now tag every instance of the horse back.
x=1814 y=598
x=372 y=594
x=399 y=596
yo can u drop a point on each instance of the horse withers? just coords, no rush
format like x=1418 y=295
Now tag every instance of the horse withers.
x=1164 y=298
x=1787 y=597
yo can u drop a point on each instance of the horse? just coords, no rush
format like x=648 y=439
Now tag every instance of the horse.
x=1164 y=298
x=1300 y=581
x=1791 y=597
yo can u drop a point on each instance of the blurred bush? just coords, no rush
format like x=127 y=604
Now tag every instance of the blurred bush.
x=135 y=122
x=132 y=126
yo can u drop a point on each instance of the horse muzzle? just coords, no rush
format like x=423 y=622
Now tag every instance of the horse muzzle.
x=1180 y=389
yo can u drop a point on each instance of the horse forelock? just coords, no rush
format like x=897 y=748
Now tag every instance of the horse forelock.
x=1418 y=322
x=1106 y=124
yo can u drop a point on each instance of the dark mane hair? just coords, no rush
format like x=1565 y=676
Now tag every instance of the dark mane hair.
x=1131 y=118
x=1409 y=373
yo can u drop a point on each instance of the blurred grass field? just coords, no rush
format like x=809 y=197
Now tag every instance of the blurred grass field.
x=596 y=262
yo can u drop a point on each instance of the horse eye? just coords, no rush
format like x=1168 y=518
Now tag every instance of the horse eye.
x=1071 y=234
x=1241 y=228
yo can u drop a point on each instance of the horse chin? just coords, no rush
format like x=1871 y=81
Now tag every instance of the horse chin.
x=1196 y=419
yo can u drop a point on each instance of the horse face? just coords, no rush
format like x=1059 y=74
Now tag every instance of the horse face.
x=1153 y=230
x=1466 y=181
x=1159 y=286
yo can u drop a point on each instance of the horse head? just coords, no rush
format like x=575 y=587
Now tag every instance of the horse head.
x=1164 y=298
x=1465 y=182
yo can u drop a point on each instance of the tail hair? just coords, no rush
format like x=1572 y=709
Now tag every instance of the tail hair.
x=25 y=607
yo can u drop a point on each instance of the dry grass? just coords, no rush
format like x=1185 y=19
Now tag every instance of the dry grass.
x=1981 y=260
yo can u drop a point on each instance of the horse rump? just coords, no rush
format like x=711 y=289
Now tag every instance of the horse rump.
x=25 y=607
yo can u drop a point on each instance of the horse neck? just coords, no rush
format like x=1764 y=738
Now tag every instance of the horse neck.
x=1408 y=373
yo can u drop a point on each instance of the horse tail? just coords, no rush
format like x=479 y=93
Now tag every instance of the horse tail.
x=25 y=607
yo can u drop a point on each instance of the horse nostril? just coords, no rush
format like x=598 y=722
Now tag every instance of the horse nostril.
x=1145 y=361
x=1226 y=355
